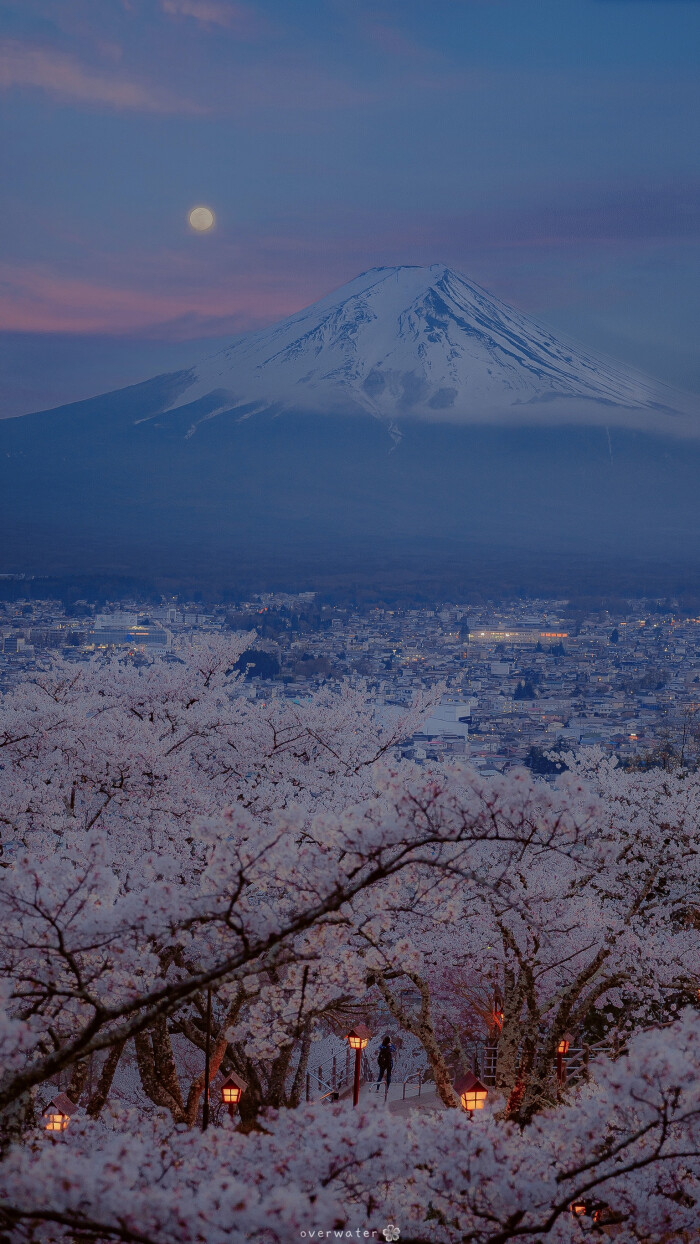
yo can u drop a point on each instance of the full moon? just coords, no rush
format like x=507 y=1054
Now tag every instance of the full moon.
x=201 y=219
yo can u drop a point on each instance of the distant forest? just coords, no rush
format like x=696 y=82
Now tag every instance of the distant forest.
x=587 y=590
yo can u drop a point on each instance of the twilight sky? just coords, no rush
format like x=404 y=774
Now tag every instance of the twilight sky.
x=546 y=148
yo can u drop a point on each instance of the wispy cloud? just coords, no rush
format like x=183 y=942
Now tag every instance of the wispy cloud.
x=238 y=17
x=61 y=75
x=40 y=299
x=260 y=274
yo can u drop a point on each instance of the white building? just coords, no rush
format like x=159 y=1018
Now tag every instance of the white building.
x=120 y=621
x=449 y=718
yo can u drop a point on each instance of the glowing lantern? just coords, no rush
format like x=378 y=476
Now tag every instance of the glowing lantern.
x=577 y=1208
x=57 y=1122
x=562 y=1051
x=357 y=1039
x=58 y=1113
x=359 y=1036
x=472 y=1093
x=231 y=1092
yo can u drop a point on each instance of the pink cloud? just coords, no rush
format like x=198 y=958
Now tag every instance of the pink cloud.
x=39 y=299
x=59 y=74
x=198 y=287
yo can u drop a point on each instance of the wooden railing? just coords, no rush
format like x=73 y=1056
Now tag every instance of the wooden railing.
x=331 y=1083
x=484 y=1058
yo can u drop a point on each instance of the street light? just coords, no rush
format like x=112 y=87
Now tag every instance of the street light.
x=471 y=1092
x=207 y=1065
x=357 y=1039
x=231 y=1092
x=562 y=1051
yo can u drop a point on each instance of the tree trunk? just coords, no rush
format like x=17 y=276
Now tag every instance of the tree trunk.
x=157 y=1071
x=300 y=1074
x=509 y=1042
x=78 y=1080
x=104 y=1083
x=252 y=1100
x=541 y=1083
x=164 y=1060
x=275 y=1096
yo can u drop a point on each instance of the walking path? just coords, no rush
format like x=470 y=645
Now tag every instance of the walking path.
x=395 y=1102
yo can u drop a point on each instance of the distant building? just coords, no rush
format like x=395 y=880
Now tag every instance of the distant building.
x=151 y=637
x=502 y=635
x=118 y=621
x=14 y=643
x=449 y=719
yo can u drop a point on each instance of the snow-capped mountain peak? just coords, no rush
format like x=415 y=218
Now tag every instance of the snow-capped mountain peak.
x=424 y=342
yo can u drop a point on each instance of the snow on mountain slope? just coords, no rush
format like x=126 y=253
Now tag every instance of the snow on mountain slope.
x=425 y=342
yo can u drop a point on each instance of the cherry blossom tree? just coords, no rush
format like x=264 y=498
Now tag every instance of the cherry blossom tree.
x=591 y=930
x=111 y=766
x=625 y=1153
x=140 y=751
x=165 y=836
x=120 y=911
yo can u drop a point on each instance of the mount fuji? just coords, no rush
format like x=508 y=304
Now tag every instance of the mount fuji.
x=409 y=419
x=422 y=343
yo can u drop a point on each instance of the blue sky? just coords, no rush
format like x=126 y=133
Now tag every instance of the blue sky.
x=547 y=148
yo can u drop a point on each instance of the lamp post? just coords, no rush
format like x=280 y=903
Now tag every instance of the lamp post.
x=207 y=1064
x=471 y=1092
x=231 y=1092
x=357 y=1039
x=562 y=1051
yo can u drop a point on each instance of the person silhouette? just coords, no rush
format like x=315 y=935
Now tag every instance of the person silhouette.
x=385 y=1062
